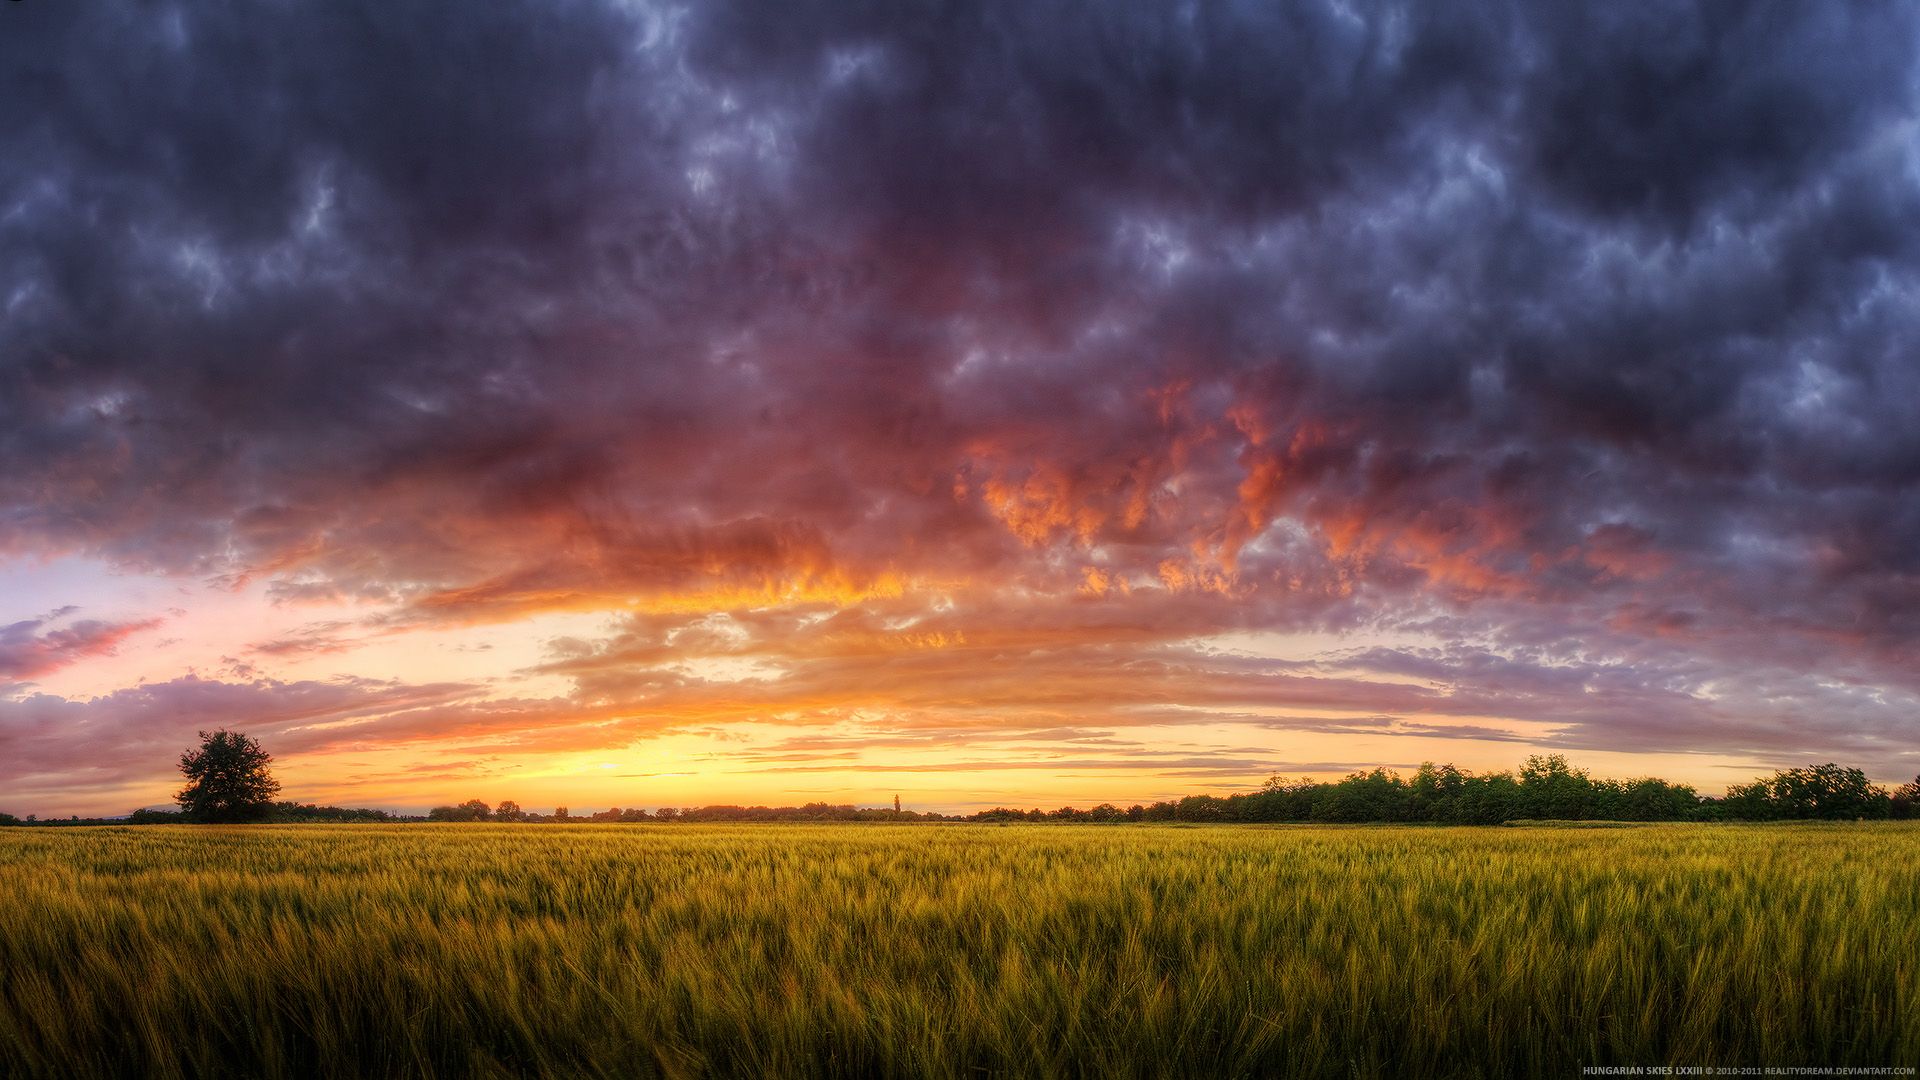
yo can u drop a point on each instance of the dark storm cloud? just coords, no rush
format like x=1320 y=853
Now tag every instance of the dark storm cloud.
x=1566 y=327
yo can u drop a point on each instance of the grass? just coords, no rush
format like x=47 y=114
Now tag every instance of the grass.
x=954 y=951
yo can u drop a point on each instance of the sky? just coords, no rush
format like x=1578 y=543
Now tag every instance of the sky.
x=1011 y=402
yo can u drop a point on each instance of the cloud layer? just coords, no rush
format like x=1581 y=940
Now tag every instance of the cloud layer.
x=992 y=358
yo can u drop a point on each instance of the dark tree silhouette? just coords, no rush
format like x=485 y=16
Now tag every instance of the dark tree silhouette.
x=227 y=779
x=1906 y=800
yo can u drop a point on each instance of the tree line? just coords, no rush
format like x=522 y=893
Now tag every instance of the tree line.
x=229 y=780
x=478 y=810
x=1545 y=788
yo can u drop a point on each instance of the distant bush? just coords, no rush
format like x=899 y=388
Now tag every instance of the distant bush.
x=471 y=810
x=295 y=813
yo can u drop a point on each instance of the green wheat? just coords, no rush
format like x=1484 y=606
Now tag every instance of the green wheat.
x=954 y=950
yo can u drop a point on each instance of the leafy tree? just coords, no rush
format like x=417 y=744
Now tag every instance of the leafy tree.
x=1364 y=796
x=1651 y=799
x=509 y=810
x=1434 y=792
x=228 y=779
x=1200 y=808
x=1552 y=789
x=1489 y=799
x=1826 y=791
x=1749 y=802
x=471 y=810
x=1906 y=800
x=307 y=812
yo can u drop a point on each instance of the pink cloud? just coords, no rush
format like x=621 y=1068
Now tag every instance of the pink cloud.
x=32 y=647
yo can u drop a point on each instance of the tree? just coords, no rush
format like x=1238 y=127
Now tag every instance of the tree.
x=1650 y=799
x=1819 y=791
x=509 y=811
x=471 y=810
x=1905 y=803
x=1552 y=789
x=1200 y=808
x=227 y=779
x=1369 y=796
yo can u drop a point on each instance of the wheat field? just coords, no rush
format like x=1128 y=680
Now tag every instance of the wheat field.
x=837 y=950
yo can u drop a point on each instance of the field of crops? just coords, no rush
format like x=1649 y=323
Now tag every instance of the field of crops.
x=954 y=950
